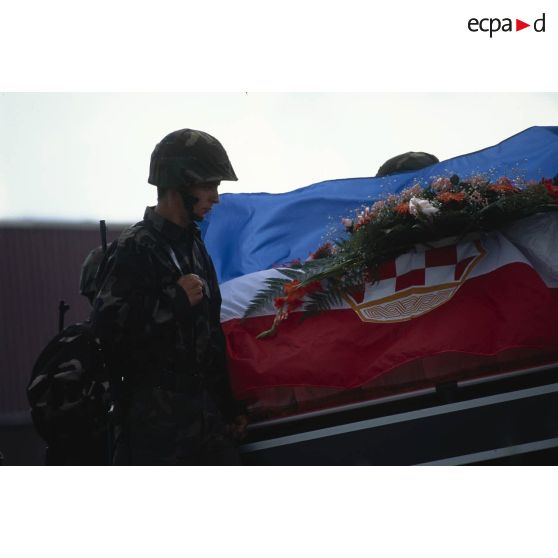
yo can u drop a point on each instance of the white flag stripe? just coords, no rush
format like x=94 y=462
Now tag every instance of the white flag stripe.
x=543 y=255
x=237 y=294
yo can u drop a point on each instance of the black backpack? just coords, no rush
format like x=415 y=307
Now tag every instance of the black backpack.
x=70 y=397
x=69 y=391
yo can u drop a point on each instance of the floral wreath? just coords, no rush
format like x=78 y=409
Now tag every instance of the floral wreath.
x=447 y=207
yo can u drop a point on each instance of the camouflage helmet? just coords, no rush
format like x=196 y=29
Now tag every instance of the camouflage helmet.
x=412 y=160
x=187 y=157
x=89 y=268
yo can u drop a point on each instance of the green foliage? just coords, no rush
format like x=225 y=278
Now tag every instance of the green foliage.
x=274 y=288
x=322 y=301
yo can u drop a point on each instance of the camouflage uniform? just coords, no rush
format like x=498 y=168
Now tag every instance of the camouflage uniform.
x=175 y=396
x=89 y=268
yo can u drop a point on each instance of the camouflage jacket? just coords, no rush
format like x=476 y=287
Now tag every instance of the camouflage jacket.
x=143 y=317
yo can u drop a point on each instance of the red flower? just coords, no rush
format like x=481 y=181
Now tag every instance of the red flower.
x=294 y=295
x=446 y=197
x=291 y=287
x=313 y=287
x=322 y=252
x=504 y=181
x=293 y=290
x=550 y=188
x=503 y=186
x=402 y=208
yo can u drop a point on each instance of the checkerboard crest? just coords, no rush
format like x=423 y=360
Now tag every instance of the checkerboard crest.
x=417 y=282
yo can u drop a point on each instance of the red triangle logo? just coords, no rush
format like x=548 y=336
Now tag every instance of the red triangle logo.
x=519 y=25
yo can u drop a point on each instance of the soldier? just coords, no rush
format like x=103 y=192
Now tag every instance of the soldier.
x=157 y=314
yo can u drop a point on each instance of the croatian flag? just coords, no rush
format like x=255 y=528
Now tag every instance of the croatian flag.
x=438 y=312
x=495 y=295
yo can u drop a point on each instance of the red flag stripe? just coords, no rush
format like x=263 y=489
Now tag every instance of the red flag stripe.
x=506 y=309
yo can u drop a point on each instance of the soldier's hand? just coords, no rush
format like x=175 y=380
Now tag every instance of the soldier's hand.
x=193 y=287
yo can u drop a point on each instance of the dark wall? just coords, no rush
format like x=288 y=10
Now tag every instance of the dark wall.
x=39 y=266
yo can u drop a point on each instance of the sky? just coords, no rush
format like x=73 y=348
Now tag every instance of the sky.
x=85 y=156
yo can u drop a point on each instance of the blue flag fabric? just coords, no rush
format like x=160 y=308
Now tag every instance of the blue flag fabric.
x=250 y=232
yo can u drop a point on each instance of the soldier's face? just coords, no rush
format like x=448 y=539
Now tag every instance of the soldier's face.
x=207 y=195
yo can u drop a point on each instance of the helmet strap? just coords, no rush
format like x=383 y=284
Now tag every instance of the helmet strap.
x=189 y=201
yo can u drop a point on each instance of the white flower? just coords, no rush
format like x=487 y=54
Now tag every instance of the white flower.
x=347 y=222
x=418 y=207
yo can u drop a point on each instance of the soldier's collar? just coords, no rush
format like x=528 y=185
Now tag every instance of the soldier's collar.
x=168 y=228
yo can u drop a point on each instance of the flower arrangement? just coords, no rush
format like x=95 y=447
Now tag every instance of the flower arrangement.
x=447 y=207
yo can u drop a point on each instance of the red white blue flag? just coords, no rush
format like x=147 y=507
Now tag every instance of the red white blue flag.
x=436 y=311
